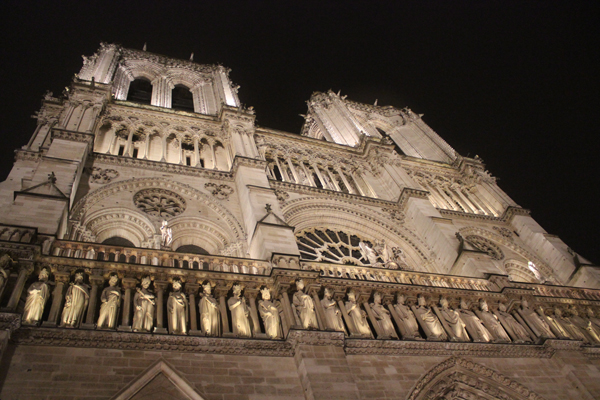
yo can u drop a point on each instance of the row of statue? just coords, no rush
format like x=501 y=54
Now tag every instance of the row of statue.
x=399 y=320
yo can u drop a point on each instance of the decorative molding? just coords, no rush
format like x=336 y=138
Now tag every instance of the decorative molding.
x=221 y=192
x=102 y=176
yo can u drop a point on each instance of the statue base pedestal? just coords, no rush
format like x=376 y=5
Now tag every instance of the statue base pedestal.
x=88 y=326
x=196 y=333
x=228 y=334
x=124 y=328
x=49 y=324
x=261 y=336
x=162 y=331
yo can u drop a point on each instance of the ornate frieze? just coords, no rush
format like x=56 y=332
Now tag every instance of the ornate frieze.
x=103 y=175
x=221 y=192
x=159 y=202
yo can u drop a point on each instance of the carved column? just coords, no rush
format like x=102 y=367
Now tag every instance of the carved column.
x=333 y=180
x=196 y=152
x=373 y=320
x=319 y=309
x=160 y=287
x=308 y=174
x=343 y=176
x=318 y=172
x=96 y=282
x=60 y=278
x=147 y=146
x=287 y=309
x=13 y=301
x=293 y=170
x=221 y=292
x=252 y=294
x=181 y=150
x=339 y=297
x=128 y=284
x=191 y=289
x=281 y=171
x=214 y=155
x=128 y=146
x=164 y=149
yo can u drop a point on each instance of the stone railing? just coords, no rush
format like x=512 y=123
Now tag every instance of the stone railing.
x=155 y=257
x=399 y=276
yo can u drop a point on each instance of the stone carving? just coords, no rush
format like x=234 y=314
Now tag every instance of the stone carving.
x=492 y=323
x=102 y=176
x=482 y=244
x=591 y=316
x=221 y=192
x=240 y=313
x=507 y=233
x=210 y=314
x=473 y=324
x=143 y=303
x=177 y=310
x=159 y=202
x=407 y=318
x=383 y=318
x=538 y=325
x=573 y=330
x=37 y=296
x=389 y=258
x=519 y=333
x=76 y=301
x=428 y=320
x=5 y=261
x=269 y=312
x=555 y=323
x=359 y=317
x=111 y=300
x=587 y=326
x=166 y=234
x=395 y=215
x=282 y=196
x=369 y=253
x=456 y=325
x=305 y=307
x=333 y=315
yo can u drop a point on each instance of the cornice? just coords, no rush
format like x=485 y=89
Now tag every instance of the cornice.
x=506 y=217
x=159 y=113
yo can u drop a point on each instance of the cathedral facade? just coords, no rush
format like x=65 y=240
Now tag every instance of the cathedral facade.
x=156 y=243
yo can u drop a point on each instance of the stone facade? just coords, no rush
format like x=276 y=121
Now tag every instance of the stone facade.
x=369 y=259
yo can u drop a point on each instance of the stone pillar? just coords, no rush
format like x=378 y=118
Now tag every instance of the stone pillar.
x=252 y=294
x=289 y=161
x=333 y=180
x=287 y=310
x=164 y=149
x=214 y=155
x=13 y=301
x=128 y=284
x=191 y=289
x=343 y=176
x=147 y=149
x=196 y=152
x=96 y=281
x=60 y=278
x=314 y=291
x=221 y=292
x=181 y=151
x=339 y=297
x=281 y=171
x=128 y=146
x=160 y=287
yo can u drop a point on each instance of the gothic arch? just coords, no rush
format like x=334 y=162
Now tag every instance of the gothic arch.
x=313 y=212
x=510 y=244
x=199 y=232
x=517 y=270
x=79 y=212
x=466 y=379
x=123 y=222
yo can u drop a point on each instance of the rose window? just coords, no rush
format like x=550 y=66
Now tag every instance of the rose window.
x=159 y=202
x=331 y=246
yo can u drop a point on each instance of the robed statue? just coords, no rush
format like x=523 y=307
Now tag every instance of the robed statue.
x=143 y=303
x=269 y=312
x=240 y=313
x=333 y=315
x=37 y=296
x=177 y=310
x=305 y=307
x=76 y=301
x=407 y=318
x=383 y=317
x=359 y=317
x=430 y=322
x=210 y=315
x=454 y=322
x=110 y=302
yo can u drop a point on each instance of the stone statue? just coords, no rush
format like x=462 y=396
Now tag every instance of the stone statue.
x=431 y=324
x=407 y=318
x=210 y=314
x=76 y=301
x=305 y=307
x=510 y=323
x=269 y=312
x=555 y=324
x=359 y=317
x=37 y=296
x=492 y=323
x=538 y=325
x=587 y=326
x=568 y=325
x=368 y=253
x=333 y=315
x=302 y=176
x=399 y=257
x=239 y=313
x=5 y=262
x=110 y=302
x=143 y=303
x=383 y=317
x=595 y=321
x=167 y=234
x=455 y=323
x=177 y=310
x=473 y=324
x=382 y=250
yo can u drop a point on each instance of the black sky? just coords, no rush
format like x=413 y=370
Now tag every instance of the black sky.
x=516 y=83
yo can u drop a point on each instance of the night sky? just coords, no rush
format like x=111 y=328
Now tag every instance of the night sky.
x=516 y=83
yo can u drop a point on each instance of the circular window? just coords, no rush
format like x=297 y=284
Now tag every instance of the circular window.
x=159 y=202
x=335 y=247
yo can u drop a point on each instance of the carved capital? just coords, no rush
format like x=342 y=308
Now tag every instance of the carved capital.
x=129 y=283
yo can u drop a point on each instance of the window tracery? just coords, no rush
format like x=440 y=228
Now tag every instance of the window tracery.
x=159 y=202
x=486 y=246
x=321 y=244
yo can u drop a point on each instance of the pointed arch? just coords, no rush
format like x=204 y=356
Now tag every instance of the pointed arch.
x=460 y=376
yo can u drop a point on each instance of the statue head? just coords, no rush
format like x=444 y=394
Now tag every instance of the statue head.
x=237 y=289
x=146 y=281
x=266 y=293
x=573 y=310
x=483 y=305
x=300 y=284
x=524 y=303
x=176 y=284
x=463 y=304
x=328 y=293
x=207 y=287
x=43 y=276
x=352 y=295
x=558 y=312
x=400 y=298
x=502 y=307
x=590 y=312
x=421 y=300
x=79 y=277
x=444 y=302
x=113 y=278
x=377 y=297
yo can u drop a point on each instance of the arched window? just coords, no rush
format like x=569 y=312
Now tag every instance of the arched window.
x=191 y=248
x=182 y=99
x=118 y=241
x=140 y=91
